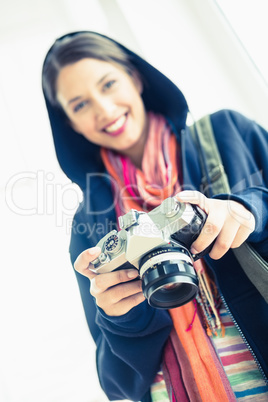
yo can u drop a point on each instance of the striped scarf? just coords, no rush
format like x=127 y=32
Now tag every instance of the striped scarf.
x=158 y=179
x=191 y=369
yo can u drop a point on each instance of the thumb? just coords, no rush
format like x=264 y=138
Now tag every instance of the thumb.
x=193 y=197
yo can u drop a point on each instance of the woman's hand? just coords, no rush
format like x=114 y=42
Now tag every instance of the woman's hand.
x=228 y=221
x=115 y=292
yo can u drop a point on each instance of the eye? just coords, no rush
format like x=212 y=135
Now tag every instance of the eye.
x=79 y=106
x=109 y=84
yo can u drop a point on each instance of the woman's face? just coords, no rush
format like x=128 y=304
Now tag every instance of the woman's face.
x=104 y=104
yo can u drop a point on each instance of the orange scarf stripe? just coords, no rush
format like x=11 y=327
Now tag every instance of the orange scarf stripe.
x=206 y=375
x=111 y=169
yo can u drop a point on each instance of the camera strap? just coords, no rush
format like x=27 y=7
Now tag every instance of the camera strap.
x=215 y=181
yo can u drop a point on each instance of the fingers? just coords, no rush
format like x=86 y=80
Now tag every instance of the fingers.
x=105 y=281
x=195 y=198
x=126 y=304
x=224 y=239
x=219 y=227
x=84 y=259
x=242 y=235
x=115 y=292
x=228 y=221
x=213 y=224
x=118 y=299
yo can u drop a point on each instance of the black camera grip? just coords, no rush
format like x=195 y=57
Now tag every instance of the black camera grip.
x=203 y=216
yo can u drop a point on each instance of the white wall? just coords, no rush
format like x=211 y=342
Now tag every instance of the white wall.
x=46 y=352
x=190 y=41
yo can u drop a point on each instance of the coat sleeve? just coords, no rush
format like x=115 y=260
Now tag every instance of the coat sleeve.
x=129 y=347
x=243 y=145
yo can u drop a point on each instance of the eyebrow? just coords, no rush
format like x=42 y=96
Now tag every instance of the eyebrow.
x=74 y=99
x=98 y=83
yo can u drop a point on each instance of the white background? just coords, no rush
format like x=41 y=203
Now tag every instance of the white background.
x=47 y=354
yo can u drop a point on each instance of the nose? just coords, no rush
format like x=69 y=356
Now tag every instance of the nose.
x=104 y=107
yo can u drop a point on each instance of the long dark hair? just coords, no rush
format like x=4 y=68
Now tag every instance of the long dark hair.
x=72 y=48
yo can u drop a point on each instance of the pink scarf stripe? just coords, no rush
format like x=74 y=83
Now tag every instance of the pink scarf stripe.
x=158 y=178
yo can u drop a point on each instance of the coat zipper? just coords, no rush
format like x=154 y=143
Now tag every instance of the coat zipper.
x=245 y=340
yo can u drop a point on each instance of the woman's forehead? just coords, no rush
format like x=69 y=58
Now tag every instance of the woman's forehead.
x=87 y=68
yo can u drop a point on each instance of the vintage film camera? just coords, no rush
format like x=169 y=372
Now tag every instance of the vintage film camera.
x=158 y=245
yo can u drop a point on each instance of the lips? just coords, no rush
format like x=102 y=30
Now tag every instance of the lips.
x=116 y=127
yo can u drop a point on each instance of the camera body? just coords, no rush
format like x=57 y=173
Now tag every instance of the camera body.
x=158 y=245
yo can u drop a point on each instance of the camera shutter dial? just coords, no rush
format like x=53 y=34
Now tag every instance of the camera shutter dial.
x=113 y=244
x=170 y=207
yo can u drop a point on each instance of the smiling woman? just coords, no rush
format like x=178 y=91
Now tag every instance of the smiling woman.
x=133 y=135
x=102 y=101
x=99 y=90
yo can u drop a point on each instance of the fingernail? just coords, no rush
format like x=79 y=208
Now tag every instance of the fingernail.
x=93 y=250
x=132 y=274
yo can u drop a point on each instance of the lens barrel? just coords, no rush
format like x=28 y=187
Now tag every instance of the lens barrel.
x=168 y=277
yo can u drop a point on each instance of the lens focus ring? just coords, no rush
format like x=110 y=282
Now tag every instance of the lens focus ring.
x=168 y=277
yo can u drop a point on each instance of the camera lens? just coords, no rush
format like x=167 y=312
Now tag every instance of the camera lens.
x=170 y=286
x=168 y=277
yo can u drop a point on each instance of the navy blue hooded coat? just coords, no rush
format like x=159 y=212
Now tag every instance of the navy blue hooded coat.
x=129 y=347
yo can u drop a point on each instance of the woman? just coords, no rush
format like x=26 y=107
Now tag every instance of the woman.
x=120 y=133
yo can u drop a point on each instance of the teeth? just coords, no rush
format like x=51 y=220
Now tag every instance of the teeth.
x=117 y=125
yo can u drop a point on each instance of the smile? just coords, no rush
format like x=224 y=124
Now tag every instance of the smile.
x=117 y=127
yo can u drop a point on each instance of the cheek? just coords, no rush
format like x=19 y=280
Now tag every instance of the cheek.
x=136 y=105
x=128 y=95
x=84 y=126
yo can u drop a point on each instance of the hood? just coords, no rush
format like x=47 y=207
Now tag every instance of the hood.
x=78 y=157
